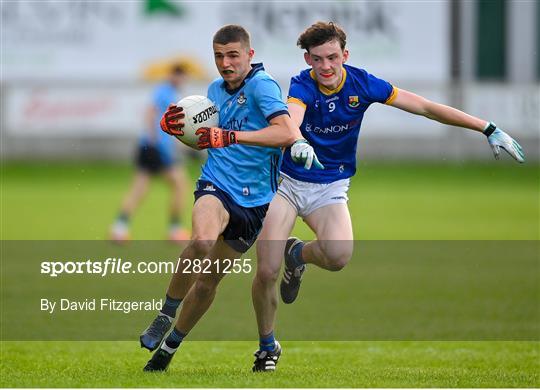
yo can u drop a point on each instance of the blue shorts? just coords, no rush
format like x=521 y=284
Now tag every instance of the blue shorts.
x=245 y=223
x=153 y=160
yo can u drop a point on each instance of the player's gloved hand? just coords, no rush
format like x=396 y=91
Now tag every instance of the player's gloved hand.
x=214 y=137
x=171 y=122
x=303 y=153
x=499 y=139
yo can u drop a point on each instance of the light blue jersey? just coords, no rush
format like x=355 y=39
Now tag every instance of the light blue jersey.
x=163 y=95
x=247 y=173
x=332 y=120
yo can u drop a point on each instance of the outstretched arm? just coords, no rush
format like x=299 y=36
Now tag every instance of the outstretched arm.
x=415 y=104
x=497 y=138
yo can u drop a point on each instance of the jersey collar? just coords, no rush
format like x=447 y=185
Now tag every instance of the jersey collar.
x=328 y=91
x=254 y=69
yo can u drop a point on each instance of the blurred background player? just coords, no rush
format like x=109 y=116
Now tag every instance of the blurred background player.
x=328 y=102
x=156 y=154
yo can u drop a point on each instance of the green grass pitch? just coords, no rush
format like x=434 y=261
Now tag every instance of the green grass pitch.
x=304 y=364
x=492 y=201
x=400 y=201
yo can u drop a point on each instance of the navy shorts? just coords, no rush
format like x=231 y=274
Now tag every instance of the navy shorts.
x=245 y=223
x=152 y=160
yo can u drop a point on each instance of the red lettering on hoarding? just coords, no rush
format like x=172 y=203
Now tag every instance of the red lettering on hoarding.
x=41 y=106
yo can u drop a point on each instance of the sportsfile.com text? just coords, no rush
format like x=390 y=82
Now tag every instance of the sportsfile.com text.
x=117 y=266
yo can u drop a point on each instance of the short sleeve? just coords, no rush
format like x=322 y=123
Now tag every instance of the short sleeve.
x=268 y=97
x=299 y=93
x=210 y=93
x=162 y=97
x=158 y=99
x=379 y=90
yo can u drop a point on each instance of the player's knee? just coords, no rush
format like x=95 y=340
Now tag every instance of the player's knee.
x=205 y=288
x=336 y=266
x=267 y=275
x=337 y=254
x=177 y=183
x=201 y=246
x=338 y=260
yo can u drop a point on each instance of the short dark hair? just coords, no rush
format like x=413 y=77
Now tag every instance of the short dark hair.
x=320 y=33
x=232 y=33
x=178 y=69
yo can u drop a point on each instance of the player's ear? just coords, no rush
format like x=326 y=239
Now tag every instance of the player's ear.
x=345 y=55
x=251 y=53
x=307 y=58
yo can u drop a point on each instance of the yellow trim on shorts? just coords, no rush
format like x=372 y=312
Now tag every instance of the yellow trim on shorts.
x=392 y=96
x=296 y=101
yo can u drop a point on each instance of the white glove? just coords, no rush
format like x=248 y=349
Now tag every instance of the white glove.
x=499 y=139
x=303 y=153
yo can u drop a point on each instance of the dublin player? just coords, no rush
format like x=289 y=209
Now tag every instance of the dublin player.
x=238 y=181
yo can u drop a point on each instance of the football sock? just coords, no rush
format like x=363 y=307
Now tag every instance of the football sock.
x=173 y=340
x=123 y=217
x=267 y=342
x=175 y=221
x=296 y=255
x=170 y=306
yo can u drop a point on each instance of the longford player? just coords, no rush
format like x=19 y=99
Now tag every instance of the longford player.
x=237 y=183
x=328 y=102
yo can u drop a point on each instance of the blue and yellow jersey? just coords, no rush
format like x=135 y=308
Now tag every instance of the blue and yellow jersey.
x=163 y=95
x=247 y=173
x=332 y=120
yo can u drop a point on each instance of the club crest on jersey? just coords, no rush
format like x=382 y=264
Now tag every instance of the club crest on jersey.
x=241 y=98
x=353 y=101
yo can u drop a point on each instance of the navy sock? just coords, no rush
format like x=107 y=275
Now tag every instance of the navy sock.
x=174 y=339
x=267 y=342
x=170 y=306
x=297 y=255
x=123 y=217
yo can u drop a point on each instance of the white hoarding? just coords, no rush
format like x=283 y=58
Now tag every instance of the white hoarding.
x=75 y=112
x=116 y=40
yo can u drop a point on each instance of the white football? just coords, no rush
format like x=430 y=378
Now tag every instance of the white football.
x=199 y=112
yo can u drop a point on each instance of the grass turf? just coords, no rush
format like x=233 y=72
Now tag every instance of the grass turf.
x=304 y=364
x=493 y=201
x=55 y=201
